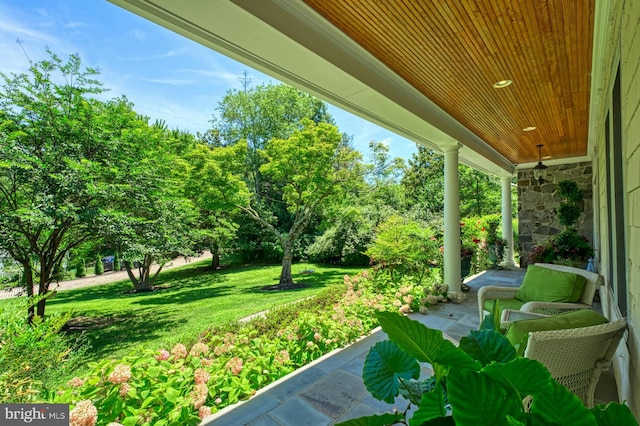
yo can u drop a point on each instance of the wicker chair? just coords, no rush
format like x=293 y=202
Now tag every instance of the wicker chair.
x=577 y=357
x=546 y=308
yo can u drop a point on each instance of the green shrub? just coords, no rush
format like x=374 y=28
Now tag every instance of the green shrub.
x=98 y=269
x=403 y=246
x=33 y=357
x=116 y=261
x=81 y=269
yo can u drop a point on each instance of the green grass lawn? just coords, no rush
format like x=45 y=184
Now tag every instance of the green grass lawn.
x=190 y=300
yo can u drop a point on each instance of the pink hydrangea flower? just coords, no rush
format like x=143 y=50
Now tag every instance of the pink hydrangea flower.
x=76 y=382
x=317 y=336
x=282 y=357
x=124 y=389
x=204 y=411
x=120 y=374
x=84 y=414
x=201 y=376
x=199 y=349
x=234 y=365
x=179 y=351
x=199 y=395
x=163 y=355
x=218 y=401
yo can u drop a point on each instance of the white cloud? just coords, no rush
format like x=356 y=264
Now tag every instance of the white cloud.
x=222 y=77
x=169 y=81
x=75 y=24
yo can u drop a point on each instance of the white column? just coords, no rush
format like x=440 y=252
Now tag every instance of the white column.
x=452 y=225
x=507 y=221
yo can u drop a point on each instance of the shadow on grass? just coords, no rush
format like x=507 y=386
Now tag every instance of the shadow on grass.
x=315 y=280
x=173 y=295
x=108 y=334
x=178 y=279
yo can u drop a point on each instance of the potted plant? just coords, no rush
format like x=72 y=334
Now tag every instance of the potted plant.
x=495 y=244
x=567 y=247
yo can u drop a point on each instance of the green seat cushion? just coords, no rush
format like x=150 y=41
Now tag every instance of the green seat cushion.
x=513 y=304
x=546 y=285
x=574 y=319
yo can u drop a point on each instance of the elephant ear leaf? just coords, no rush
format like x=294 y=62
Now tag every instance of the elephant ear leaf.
x=487 y=346
x=558 y=405
x=382 y=420
x=384 y=365
x=477 y=399
x=614 y=414
x=423 y=343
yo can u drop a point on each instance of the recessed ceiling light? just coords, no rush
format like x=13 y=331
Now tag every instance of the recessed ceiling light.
x=501 y=84
x=528 y=129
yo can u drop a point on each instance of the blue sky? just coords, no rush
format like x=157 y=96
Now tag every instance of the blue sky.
x=165 y=75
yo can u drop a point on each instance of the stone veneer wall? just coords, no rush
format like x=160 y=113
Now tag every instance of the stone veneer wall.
x=537 y=204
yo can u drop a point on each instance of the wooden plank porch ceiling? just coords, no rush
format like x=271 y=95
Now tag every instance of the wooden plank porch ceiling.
x=453 y=51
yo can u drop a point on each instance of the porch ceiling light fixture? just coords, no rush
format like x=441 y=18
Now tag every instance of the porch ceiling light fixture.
x=502 y=84
x=540 y=171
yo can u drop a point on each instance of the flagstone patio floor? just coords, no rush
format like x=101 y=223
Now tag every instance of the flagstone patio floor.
x=330 y=390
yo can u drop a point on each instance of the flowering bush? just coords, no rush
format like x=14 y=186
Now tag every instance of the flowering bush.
x=566 y=245
x=181 y=385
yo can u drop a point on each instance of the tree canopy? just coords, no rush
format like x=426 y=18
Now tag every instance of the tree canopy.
x=58 y=152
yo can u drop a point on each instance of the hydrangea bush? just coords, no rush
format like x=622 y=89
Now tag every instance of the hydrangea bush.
x=182 y=385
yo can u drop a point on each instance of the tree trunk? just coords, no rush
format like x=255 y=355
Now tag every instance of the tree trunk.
x=128 y=267
x=286 y=280
x=215 y=256
x=43 y=288
x=215 y=260
x=28 y=282
x=144 y=283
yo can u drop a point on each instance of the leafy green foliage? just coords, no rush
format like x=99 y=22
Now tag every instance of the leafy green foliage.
x=565 y=245
x=485 y=382
x=404 y=247
x=98 y=269
x=308 y=168
x=116 y=261
x=423 y=181
x=81 y=268
x=569 y=211
x=64 y=156
x=384 y=366
x=33 y=357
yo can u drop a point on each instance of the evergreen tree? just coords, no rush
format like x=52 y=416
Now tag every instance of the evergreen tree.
x=99 y=268
x=81 y=269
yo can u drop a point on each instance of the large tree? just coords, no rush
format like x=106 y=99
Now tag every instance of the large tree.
x=307 y=168
x=151 y=220
x=58 y=152
x=259 y=114
x=424 y=185
x=214 y=184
